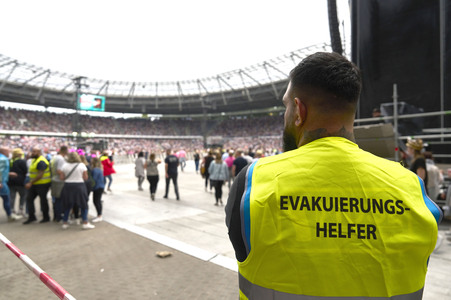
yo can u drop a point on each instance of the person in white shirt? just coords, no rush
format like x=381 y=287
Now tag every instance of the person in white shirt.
x=74 y=173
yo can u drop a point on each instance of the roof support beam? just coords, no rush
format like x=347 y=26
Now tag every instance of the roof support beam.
x=104 y=86
x=34 y=77
x=9 y=75
x=156 y=95
x=222 y=91
x=276 y=93
x=38 y=95
x=252 y=78
x=68 y=85
x=179 y=88
x=202 y=95
x=199 y=85
x=8 y=63
x=222 y=79
x=245 y=87
x=292 y=55
x=268 y=64
x=131 y=95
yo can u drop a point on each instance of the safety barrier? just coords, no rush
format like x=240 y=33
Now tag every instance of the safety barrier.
x=44 y=277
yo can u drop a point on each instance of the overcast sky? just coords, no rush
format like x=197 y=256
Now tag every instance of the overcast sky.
x=159 y=40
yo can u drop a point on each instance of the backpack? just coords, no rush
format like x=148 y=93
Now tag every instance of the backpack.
x=90 y=183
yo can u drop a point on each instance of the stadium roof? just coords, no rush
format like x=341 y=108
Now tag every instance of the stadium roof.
x=256 y=87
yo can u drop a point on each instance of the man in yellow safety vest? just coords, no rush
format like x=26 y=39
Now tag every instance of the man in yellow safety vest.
x=39 y=184
x=325 y=219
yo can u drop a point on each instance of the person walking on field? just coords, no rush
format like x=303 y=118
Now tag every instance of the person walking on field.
x=206 y=164
x=326 y=219
x=171 y=163
x=219 y=173
x=140 y=170
x=196 y=160
x=152 y=174
x=108 y=169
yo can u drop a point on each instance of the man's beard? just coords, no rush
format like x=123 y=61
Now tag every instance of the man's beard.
x=289 y=141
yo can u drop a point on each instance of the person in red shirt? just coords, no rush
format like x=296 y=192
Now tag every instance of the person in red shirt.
x=229 y=162
x=107 y=169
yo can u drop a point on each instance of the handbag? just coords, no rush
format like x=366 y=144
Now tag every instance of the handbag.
x=57 y=186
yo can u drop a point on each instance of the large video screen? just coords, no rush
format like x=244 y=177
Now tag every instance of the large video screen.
x=91 y=102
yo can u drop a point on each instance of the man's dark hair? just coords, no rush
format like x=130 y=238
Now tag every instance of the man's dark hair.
x=63 y=149
x=330 y=73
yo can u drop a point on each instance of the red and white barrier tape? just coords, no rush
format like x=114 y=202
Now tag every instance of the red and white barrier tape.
x=44 y=277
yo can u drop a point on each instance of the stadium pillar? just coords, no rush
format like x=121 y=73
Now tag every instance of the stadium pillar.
x=75 y=121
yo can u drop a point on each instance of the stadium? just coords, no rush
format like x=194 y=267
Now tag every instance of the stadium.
x=404 y=79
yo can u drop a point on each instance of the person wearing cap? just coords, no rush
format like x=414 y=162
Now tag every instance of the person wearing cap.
x=417 y=161
x=17 y=174
x=326 y=219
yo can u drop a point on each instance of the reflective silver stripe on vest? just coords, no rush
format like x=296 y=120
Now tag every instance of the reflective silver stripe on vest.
x=253 y=292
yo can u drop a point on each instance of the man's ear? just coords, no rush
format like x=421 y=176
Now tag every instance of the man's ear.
x=301 y=112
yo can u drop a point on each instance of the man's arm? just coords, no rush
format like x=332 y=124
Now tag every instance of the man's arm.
x=233 y=215
x=3 y=166
x=421 y=172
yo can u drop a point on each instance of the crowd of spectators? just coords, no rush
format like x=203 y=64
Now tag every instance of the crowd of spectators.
x=258 y=132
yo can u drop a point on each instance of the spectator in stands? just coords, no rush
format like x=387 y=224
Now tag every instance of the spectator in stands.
x=108 y=169
x=219 y=173
x=97 y=190
x=39 y=185
x=17 y=174
x=171 y=164
x=140 y=169
x=74 y=174
x=152 y=174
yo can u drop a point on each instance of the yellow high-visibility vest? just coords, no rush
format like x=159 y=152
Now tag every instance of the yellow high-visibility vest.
x=331 y=220
x=46 y=178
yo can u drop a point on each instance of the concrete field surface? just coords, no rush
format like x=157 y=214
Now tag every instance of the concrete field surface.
x=117 y=259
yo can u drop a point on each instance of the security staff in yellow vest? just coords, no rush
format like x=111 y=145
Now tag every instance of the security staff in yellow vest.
x=39 y=184
x=325 y=219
